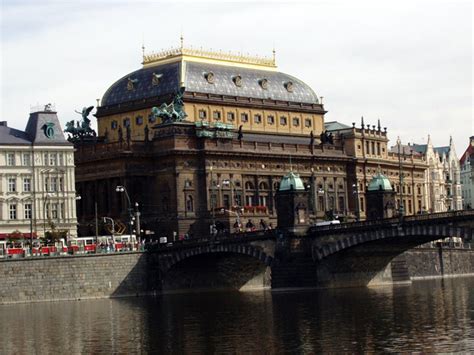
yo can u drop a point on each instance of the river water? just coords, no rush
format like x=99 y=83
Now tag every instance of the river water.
x=427 y=316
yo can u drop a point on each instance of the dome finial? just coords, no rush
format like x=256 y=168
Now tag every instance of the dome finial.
x=274 y=54
x=181 y=38
x=143 y=47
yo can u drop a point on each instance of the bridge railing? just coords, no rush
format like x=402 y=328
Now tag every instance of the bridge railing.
x=218 y=239
x=440 y=216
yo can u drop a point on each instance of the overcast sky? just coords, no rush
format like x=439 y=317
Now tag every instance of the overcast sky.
x=407 y=63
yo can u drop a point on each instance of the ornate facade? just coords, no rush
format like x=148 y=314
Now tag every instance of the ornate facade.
x=198 y=137
x=442 y=179
x=467 y=175
x=37 y=185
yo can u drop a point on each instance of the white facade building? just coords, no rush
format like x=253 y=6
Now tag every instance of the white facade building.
x=443 y=177
x=37 y=183
x=467 y=175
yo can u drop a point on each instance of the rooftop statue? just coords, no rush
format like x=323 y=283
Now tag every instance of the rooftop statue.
x=173 y=112
x=80 y=129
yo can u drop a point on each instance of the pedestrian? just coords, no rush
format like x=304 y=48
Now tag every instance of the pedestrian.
x=249 y=226
x=263 y=225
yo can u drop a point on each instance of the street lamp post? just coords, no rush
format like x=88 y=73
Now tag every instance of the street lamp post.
x=401 y=210
x=355 y=188
x=137 y=218
x=121 y=189
x=213 y=201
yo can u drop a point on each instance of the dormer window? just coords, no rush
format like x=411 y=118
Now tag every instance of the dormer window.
x=209 y=77
x=289 y=86
x=156 y=78
x=237 y=80
x=263 y=83
x=131 y=84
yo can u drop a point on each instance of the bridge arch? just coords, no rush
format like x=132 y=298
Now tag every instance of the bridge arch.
x=410 y=235
x=168 y=260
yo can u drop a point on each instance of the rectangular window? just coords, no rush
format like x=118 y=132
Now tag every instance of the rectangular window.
x=113 y=125
x=373 y=148
x=226 y=200
x=11 y=184
x=126 y=122
x=216 y=115
x=54 y=184
x=61 y=184
x=257 y=118
x=46 y=184
x=419 y=190
x=27 y=209
x=26 y=159
x=419 y=205
x=45 y=158
x=367 y=147
x=61 y=159
x=244 y=117
x=54 y=211
x=296 y=121
x=61 y=210
x=307 y=122
x=10 y=159
x=283 y=121
x=270 y=120
x=202 y=114
x=12 y=211
x=378 y=148
x=53 y=159
x=139 y=120
x=230 y=116
x=27 y=184
x=362 y=204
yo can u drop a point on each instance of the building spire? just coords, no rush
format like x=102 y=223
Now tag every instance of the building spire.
x=362 y=122
x=378 y=124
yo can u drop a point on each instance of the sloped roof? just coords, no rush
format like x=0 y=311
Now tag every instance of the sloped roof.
x=140 y=85
x=291 y=181
x=12 y=136
x=467 y=154
x=335 y=126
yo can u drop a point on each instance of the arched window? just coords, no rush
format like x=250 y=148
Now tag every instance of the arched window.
x=249 y=185
x=263 y=186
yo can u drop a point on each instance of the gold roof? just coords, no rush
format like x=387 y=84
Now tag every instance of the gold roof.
x=209 y=56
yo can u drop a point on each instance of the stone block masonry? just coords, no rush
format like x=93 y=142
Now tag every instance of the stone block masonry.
x=72 y=278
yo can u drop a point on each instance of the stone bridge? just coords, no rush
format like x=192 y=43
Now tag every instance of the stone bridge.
x=351 y=254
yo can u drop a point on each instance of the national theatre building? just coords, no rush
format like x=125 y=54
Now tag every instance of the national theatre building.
x=197 y=137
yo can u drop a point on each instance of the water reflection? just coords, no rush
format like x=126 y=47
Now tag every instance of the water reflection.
x=429 y=316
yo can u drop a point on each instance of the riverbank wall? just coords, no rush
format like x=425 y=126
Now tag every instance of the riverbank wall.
x=438 y=262
x=73 y=277
x=134 y=273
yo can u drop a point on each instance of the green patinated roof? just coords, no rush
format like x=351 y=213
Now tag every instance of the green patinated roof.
x=291 y=181
x=378 y=182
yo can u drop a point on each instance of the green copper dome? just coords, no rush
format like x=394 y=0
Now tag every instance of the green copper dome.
x=291 y=181
x=380 y=182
